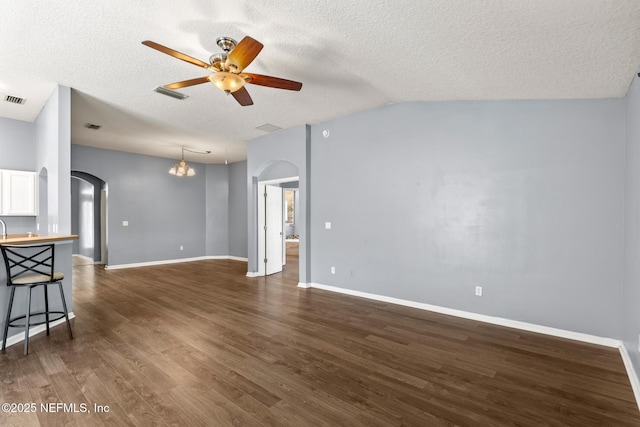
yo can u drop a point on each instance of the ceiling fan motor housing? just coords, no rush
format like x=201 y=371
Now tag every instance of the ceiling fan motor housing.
x=218 y=60
x=226 y=43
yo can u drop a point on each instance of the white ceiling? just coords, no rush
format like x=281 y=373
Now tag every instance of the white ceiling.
x=350 y=56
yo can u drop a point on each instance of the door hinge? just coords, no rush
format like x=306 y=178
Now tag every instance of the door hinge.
x=265 y=260
x=265 y=228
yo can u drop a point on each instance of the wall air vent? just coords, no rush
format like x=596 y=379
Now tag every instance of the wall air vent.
x=92 y=126
x=14 y=99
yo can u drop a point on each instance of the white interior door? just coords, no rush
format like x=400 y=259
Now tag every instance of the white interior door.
x=274 y=233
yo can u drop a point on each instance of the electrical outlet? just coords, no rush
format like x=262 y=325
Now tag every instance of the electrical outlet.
x=478 y=291
x=181 y=248
x=327 y=225
x=125 y=223
x=333 y=270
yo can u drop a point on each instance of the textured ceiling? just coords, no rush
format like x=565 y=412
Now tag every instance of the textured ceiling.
x=350 y=56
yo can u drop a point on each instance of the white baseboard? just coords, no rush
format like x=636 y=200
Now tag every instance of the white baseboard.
x=18 y=338
x=531 y=327
x=253 y=274
x=631 y=373
x=172 y=261
x=577 y=336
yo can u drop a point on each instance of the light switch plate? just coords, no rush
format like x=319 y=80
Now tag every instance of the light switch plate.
x=125 y=223
x=327 y=225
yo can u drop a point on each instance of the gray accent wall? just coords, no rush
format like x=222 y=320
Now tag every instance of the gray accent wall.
x=631 y=295
x=53 y=154
x=164 y=212
x=17 y=145
x=238 y=209
x=524 y=198
x=217 y=210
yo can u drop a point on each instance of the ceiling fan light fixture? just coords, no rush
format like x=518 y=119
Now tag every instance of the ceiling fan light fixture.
x=227 y=82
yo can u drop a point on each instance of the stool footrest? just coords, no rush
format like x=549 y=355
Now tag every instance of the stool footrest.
x=40 y=313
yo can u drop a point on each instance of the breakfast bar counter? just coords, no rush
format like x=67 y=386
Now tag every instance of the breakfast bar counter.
x=34 y=239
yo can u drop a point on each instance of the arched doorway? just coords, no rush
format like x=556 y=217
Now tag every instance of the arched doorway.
x=88 y=216
x=271 y=215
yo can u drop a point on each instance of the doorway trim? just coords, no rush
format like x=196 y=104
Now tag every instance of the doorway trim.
x=262 y=219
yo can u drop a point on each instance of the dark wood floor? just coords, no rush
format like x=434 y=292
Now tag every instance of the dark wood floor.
x=200 y=344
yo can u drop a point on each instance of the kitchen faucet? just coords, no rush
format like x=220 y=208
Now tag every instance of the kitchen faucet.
x=4 y=229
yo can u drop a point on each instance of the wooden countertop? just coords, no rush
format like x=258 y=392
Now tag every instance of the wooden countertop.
x=24 y=239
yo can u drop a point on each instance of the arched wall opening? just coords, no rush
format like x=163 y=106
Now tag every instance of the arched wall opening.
x=89 y=216
x=273 y=156
x=271 y=243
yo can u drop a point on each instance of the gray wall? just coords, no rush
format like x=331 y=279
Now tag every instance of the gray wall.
x=53 y=153
x=632 y=226
x=238 y=209
x=17 y=145
x=217 y=210
x=428 y=200
x=164 y=211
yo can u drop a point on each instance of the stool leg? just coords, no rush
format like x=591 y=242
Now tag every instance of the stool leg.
x=8 y=319
x=64 y=307
x=46 y=306
x=26 y=323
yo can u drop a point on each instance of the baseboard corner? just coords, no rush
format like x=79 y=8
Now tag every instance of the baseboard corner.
x=631 y=373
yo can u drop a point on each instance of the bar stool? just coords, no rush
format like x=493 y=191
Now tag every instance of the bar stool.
x=30 y=267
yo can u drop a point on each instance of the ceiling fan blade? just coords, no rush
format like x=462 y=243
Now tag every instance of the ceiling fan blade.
x=185 y=83
x=175 y=54
x=276 y=82
x=243 y=97
x=243 y=54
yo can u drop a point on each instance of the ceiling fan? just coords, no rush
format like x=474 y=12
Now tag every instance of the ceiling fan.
x=227 y=68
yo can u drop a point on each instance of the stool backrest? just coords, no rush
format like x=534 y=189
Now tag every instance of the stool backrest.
x=20 y=260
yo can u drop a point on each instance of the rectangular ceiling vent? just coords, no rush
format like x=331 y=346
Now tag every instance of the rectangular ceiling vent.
x=268 y=127
x=171 y=93
x=92 y=126
x=14 y=99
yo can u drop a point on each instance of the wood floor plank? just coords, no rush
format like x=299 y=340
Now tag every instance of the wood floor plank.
x=218 y=348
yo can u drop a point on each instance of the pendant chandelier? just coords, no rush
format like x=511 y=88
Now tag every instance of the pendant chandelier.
x=181 y=168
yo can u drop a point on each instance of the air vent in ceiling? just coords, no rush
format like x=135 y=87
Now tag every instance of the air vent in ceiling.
x=14 y=99
x=171 y=93
x=92 y=126
x=268 y=127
